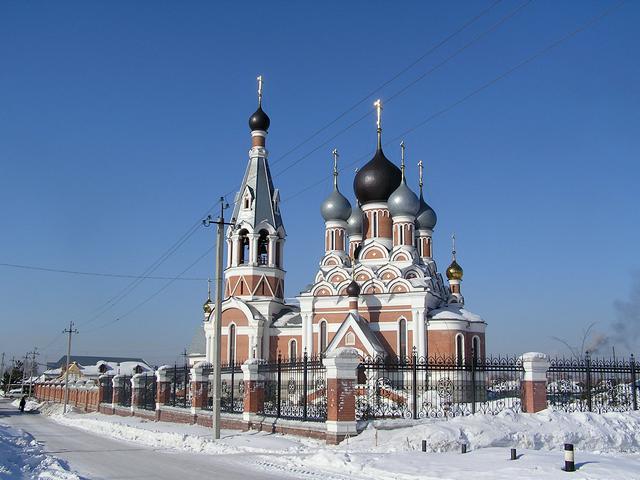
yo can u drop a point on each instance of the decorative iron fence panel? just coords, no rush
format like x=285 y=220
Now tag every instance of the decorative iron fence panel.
x=124 y=391
x=148 y=392
x=232 y=388
x=593 y=385
x=418 y=387
x=106 y=385
x=295 y=388
x=180 y=387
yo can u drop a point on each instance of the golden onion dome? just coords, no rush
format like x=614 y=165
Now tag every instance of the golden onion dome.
x=207 y=307
x=454 y=272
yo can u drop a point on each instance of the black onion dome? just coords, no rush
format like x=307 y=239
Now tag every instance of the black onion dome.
x=426 y=218
x=259 y=120
x=377 y=180
x=335 y=207
x=353 y=289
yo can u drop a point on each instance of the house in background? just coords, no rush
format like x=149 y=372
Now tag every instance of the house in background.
x=90 y=368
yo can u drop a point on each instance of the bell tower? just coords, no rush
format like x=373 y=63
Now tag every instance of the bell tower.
x=255 y=242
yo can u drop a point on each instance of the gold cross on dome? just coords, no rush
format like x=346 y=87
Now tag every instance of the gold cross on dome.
x=259 y=90
x=378 y=105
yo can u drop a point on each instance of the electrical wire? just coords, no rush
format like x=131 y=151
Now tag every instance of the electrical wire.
x=473 y=93
x=93 y=274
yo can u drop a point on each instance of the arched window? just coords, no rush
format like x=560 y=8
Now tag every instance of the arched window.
x=263 y=248
x=350 y=339
x=402 y=339
x=243 y=247
x=323 y=336
x=293 y=350
x=232 y=343
x=475 y=345
x=459 y=349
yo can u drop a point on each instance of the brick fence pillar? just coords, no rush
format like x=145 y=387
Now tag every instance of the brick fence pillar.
x=116 y=391
x=534 y=386
x=136 y=391
x=163 y=387
x=199 y=387
x=342 y=367
x=253 y=399
x=101 y=390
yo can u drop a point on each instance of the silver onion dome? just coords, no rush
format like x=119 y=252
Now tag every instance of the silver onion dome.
x=354 y=223
x=335 y=207
x=426 y=218
x=403 y=202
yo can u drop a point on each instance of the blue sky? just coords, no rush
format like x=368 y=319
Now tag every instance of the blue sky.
x=122 y=122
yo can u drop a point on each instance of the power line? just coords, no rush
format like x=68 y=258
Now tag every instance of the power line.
x=463 y=27
x=395 y=95
x=94 y=274
x=153 y=295
x=473 y=93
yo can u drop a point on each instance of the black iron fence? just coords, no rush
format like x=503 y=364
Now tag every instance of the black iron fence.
x=147 y=392
x=124 y=390
x=593 y=385
x=419 y=387
x=180 y=387
x=106 y=384
x=295 y=388
x=232 y=388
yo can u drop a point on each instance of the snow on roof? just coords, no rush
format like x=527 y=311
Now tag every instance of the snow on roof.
x=288 y=316
x=454 y=312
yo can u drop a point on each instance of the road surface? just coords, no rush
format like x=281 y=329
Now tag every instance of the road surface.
x=95 y=457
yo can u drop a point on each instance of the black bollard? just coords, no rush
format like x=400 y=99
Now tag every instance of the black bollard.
x=424 y=445
x=569 y=464
x=464 y=448
x=513 y=454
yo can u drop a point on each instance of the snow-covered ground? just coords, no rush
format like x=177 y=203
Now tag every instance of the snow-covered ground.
x=22 y=457
x=607 y=446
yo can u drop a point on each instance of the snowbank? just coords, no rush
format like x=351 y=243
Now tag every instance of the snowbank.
x=191 y=438
x=22 y=457
x=30 y=406
x=547 y=430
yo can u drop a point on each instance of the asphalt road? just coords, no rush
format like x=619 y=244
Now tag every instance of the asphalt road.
x=96 y=457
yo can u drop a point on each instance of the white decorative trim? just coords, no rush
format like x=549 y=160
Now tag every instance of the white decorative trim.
x=341 y=427
x=535 y=366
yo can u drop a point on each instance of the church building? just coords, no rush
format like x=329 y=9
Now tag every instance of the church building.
x=377 y=287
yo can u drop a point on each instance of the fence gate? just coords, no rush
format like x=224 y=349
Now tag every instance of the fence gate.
x=148 y=392
x=593 y=385
x=124 y=392
x=180 y=393
x=106 y=384
x=418 y=387
x=295 y=388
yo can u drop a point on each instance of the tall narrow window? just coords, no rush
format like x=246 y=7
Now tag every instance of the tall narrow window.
x=375 y=224
x=278 y=247
x=475 y=343
x=232 y=343
x=402 y=339
x=459 y=349
x=293 y=350
x=263 y=248
x=323 y=336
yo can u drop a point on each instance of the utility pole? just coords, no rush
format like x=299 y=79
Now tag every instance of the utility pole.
x=2 y=371
x=33 y=364
x=70 y=331
x=24 y=370
x=217 y=383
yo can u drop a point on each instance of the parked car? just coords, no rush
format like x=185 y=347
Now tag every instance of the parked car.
x=14 y=392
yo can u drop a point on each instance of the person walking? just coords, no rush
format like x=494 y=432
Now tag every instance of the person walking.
x=23 y=402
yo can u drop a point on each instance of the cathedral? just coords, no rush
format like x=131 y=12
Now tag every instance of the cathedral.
x=377 y=288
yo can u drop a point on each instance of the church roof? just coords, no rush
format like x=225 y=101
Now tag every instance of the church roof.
x=198 y=342
x=454 y=312
x=257 y=180
x=361 y=328
x=288 y=316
